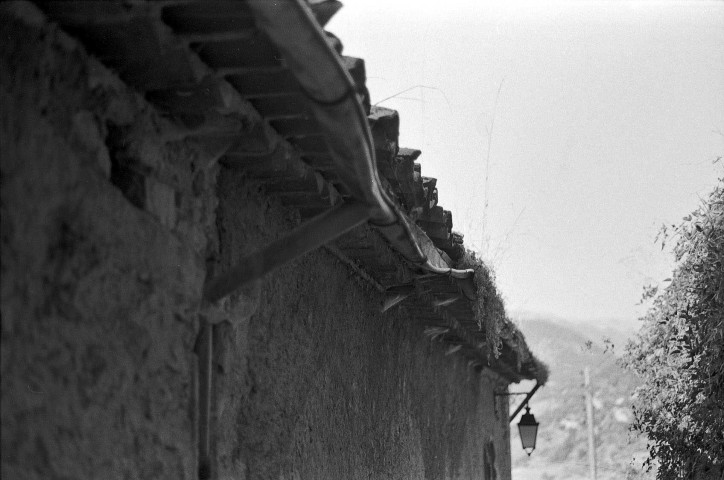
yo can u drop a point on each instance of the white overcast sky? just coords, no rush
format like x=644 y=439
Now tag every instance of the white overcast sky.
x=609 y=118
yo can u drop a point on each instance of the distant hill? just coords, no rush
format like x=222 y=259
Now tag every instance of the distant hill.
x=561 y=452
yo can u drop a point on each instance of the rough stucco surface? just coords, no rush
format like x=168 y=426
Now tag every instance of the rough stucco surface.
x=101 y=281
x=317 y=383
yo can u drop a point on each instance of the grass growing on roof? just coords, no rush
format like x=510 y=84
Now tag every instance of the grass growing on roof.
x=492 y=320
x=488 y=307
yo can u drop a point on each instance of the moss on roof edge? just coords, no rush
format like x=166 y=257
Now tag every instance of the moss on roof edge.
x=501 y=334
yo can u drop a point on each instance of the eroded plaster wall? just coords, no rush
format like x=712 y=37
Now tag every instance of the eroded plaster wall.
x=107 y=217
x=110 y=217
x=317 y=383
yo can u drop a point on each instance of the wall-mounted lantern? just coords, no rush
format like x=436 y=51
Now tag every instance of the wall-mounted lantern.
x=528 y=430
x=527 y=427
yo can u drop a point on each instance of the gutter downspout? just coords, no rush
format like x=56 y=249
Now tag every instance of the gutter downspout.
x=292 y=28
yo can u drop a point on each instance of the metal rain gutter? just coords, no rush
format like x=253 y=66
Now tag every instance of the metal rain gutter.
x=292 y=28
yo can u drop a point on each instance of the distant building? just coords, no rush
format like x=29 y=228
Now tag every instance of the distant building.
x=157 y=157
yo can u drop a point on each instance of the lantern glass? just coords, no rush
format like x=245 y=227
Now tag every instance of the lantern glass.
x=528 y=430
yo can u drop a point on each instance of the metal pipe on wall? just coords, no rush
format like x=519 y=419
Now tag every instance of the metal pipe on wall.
x=205 y=372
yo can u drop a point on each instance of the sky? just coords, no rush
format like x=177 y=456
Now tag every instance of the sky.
x=590 y=123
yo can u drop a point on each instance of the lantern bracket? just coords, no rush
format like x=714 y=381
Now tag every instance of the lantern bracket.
x=524 y=402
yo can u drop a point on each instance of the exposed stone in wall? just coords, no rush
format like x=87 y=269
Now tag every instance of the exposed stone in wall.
x=107 y=220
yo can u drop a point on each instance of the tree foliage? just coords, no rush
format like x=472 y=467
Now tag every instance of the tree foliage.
x=679 y=352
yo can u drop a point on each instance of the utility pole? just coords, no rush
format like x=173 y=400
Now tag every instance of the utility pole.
x=589 y=421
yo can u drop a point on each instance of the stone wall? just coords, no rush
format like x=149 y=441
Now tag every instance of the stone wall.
x=111 y=215
x=107 y=219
